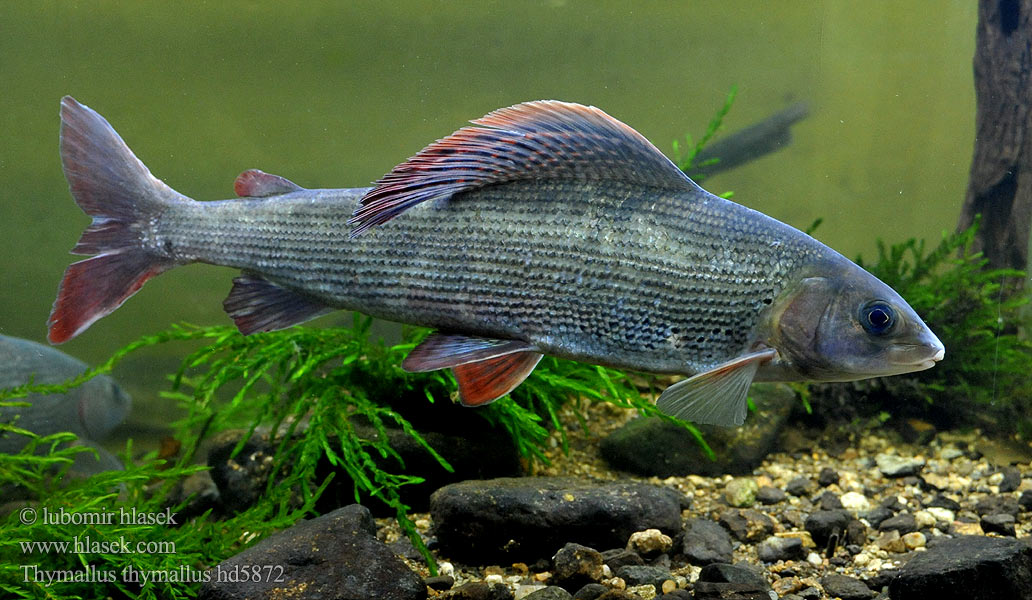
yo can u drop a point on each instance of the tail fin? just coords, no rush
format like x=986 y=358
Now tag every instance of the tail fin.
x=111 y=185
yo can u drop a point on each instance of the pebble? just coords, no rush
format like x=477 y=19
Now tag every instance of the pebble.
x=893 y=465
x=903 y=523
x=941 y=515
x=814 y=559
x=992 y=505
x=635 y=575
x=705 y=542
x=590 y=591
x=924 y=519
x=776 y=548
x=650 y=542
x=845 y=587
x=741 y=492
x=800 y=486
x=914 y=540
x=827 y=476
x=965 y=528
x=746 y=524
x=576 y=565
x=824 y=524
x=772 y=495
x=855 y=502
x=1025 y=500
x=644 y=592
x=890 y=541
x=551 y=592
x=829 y=501
x=1000 y=523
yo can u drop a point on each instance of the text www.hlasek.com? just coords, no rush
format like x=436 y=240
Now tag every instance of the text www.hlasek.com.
x=88 y=545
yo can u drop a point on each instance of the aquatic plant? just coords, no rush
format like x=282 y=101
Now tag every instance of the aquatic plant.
x=984 y=378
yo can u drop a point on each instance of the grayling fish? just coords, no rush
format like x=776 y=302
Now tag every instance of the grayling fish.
x=89 y=411
x=544 y=228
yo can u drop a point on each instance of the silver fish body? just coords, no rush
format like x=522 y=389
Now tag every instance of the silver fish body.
x=550 y=228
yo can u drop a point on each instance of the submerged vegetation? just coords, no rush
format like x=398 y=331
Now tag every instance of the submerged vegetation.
x=985 y=378
x=307 y=389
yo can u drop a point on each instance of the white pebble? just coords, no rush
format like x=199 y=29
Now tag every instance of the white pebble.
x=861 y=559
x=855 y=503
x=941 y=515
x=494 y=578
x=446 y=568
x=925 y=519
x=813 y=558
x=996 y=478
x=914 y=540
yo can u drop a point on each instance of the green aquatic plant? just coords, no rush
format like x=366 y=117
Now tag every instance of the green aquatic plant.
x=305 y=390
x=984 y=378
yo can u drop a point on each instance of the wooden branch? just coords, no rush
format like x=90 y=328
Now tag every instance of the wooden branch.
x=1000 y=188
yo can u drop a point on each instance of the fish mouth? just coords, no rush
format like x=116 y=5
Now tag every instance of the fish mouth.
x=928 y=362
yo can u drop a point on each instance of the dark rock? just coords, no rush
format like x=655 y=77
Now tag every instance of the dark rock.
x=590 y=592
x=747 y=525
x=740 y=573
x=644 y=575
x=242 y=478
x=619 y=595
x=967 y=568
x=892 y=503
x=903 y=523
x=332 y=556
x=1002 y=524
x=845 y=587
x=771 y=495
x=800 y=486
x=876 y=516
x=774 y=549
x=946 y=502
x=576 y=566
x=439 y=582
x=705 y=542
x=530 y=517
x=656 y=448
x=1011 y=479
x=994 y=505
x=621 y=557
x=824 y=524
x=479 y=590
x=554 y=592
x=1025 y=501
x=880 y=580
x=856 y=533
x=827 y=476
x=829 y=501
x=677 y=595
x=810 y=593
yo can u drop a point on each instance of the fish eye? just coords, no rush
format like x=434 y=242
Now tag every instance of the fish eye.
x=877 y=318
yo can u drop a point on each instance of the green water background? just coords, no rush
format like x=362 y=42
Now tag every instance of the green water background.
x=334 y=94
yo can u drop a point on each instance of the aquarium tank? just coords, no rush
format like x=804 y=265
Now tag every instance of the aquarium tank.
x=155 y=451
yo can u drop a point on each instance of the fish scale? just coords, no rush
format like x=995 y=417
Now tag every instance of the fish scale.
x=543 y=228
x=442 y=266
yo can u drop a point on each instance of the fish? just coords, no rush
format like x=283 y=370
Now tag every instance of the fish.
x=544 y=228
x=90 y=411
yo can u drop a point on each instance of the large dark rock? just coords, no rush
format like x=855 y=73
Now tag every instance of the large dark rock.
x=967 y=568
x=731 y=582
x=335 y=556
x=532 y=517
x=654 y=447
x=824 y=524
x=845 y=587
x=706 y=543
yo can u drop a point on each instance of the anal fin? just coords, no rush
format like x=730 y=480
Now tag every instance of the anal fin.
x=715 y=397
x=256 y=304
x=444 y=350
x=485 y=381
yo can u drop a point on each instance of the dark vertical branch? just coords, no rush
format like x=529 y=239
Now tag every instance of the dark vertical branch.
x=1000 y=188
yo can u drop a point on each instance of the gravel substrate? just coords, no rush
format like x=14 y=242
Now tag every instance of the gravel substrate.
x=812 y=524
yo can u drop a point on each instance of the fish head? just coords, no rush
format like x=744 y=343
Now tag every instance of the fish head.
x=842 y=324
x=102 y=406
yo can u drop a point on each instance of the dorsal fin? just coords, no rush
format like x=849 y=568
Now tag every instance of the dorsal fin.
x=546 y=139
x=258 y=184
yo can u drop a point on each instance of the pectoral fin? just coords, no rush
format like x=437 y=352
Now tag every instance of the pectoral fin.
x=717 y=396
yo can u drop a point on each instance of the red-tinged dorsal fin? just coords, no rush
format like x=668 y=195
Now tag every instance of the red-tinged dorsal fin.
x=546 y=139
x=718 y=396
x=258 y=184
x=488 y=380
x=256 y=304
x=444 y=350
